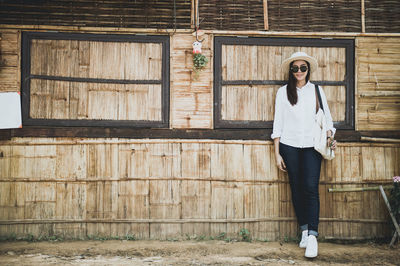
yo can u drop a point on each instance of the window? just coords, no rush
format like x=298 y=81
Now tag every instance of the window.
x=72 y=79
x=247 y=76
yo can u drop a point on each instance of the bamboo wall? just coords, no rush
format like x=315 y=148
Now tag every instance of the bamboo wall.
x=256 y=102
x=164 y=188
x=282 y=15
x=378 y=78
x=52 y=99
x=10 y=71
x=191 y=99
x=156 y=14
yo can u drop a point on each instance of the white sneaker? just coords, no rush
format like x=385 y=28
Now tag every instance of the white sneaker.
x=312 y=247
x=304 y=237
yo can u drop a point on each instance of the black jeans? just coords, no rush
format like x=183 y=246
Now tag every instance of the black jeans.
x=304 y=166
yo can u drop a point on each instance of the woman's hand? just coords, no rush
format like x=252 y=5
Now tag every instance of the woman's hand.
x=280 y=163
x=279 y=160
x=331 y=143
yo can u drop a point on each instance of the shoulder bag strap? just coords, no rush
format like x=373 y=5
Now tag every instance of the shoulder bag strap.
x=319 y=103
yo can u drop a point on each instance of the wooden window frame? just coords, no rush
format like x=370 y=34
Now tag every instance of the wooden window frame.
x=27 y=37
x=348 y=82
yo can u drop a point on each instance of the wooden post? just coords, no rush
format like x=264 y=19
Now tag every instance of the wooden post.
x=355 y=189
x=391 y=215
x=192 y=14
x=265 y=4
x=196 y=13
x=362 y=16
x=380 y=139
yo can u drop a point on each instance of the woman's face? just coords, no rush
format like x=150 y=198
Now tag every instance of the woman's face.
x=297 y=68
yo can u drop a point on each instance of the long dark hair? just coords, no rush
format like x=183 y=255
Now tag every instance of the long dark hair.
x=291 y=85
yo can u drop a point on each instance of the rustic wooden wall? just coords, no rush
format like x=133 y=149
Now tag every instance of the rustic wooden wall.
x=169 y=188
x=191 y=98
x=164 y=188
x=378 y=83
x=156 y=14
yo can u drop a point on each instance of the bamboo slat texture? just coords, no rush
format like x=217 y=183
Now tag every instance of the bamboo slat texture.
x=378 y=78
x=191 y=98
x=310 y=16
x=382 y=16
x=256 y=102
x=92 y=59
x=51 y=99
x=161 y=14
x=280 y=15
x=162 y=189
x=232 y=15
x=10 y=46
x=77 y=100
x=338 y=15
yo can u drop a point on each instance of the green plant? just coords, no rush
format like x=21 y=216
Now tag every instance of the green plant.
x=201 y=238
x=228 y=239
x=221 y=236
x=130 y=237
x=11 y=237
x=29 y=238
x=245 y=235
x=199 y=63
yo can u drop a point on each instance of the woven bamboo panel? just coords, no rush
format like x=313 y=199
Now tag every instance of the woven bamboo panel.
x=257 y=102
x=245 y=62
x=122 y=13
x=241 y=62
x=313 y=16
x=102 y=60
x=163 y=188
x=76 y=100
x=382 y=16
x=378 y=79
x=231 y=15
x=191 y=97
x=248 y=103
x=333 y=16
x=309 y=16
x=10 y=47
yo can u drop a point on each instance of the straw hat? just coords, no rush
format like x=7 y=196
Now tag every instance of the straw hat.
x=299 y=56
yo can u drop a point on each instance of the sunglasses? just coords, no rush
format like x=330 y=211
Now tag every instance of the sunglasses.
x=295 y=69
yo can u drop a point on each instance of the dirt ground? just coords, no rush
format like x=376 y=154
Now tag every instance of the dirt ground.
x=123 y=252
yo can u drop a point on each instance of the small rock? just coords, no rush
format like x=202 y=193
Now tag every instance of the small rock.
x=152 y=259
x=11 y=253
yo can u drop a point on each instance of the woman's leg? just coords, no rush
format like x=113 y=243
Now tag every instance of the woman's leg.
x=311 y=161
x=292 y=159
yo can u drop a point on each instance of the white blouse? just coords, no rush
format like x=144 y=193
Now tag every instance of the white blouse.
x=294 y=123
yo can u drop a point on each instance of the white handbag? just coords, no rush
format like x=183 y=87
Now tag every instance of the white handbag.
x=320 y=136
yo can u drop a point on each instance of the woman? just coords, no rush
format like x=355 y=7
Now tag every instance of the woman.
x=295 y=111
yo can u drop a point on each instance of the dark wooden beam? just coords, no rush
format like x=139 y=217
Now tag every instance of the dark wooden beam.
x=134 y=133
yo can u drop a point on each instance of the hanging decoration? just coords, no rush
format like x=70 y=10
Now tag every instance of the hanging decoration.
x=199 y=60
